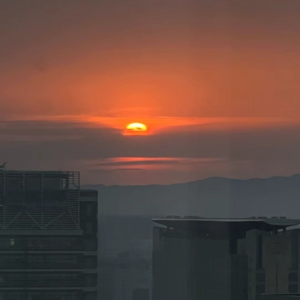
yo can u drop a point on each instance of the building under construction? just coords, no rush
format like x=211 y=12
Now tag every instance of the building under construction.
x=48 y=236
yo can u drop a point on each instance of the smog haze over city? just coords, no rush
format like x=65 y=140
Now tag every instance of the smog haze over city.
x=149 y=149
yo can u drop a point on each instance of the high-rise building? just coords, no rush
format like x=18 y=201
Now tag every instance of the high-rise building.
x=125 y=257
x=279 y=297
x=141 y=294
x=218 y=258
x=273 y=262
x=123 y=277
x=48 y=237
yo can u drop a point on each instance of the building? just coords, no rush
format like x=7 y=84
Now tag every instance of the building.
x=125 y=277
x=228 y=259
x=125 y=257
x=48 y=237
x=273 y=262
x=279 y=297
x=141 y=294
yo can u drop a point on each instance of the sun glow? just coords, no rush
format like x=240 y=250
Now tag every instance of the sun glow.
x=136 y=128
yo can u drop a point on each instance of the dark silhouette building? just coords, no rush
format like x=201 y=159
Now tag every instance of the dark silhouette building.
x=140 y=294
x=125 y=277
x=48 y=237
x=228 y=259
x=279 y=297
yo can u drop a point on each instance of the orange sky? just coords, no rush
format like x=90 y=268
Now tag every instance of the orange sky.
x=184 y=65
x=235 y=59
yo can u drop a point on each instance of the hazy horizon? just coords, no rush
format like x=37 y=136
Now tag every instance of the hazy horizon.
x=197 y=180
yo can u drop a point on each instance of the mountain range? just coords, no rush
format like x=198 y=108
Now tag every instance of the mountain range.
x=212 y=197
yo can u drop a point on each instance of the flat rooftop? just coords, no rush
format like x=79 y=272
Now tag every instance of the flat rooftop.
x=237 y=225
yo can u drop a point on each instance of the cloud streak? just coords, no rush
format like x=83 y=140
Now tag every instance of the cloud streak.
x=148 y=163
x=104 y=155
x=156 y=125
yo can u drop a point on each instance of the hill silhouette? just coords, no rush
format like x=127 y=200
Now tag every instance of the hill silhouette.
x=212 y=197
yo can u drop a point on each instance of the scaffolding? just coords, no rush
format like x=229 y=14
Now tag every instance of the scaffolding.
x=32 y=200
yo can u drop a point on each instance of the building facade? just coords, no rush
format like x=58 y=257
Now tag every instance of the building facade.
x=273 y=262
x=279 y=297
x=189 y=266
x=48 y=237
x=228 y=259
x=124 y=277
x=141 y=294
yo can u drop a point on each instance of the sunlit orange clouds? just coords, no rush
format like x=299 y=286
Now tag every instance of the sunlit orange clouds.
x=150 y=163
x=157 y=125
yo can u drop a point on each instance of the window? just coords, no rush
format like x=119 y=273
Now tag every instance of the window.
x=260 y=289
x=293 y=288
x=260 y=277
x=89 y=228
x=7 y=243
x=293 y=277
x=89 y=209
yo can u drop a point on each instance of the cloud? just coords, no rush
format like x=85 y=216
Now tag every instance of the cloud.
x=104 y=155
x=156 y=125
x=148 y=163
x=46 y=130
x=118 y=170
x=29 y=138
x=66 y=101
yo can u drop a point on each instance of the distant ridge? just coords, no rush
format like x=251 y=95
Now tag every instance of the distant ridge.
x=212 y=197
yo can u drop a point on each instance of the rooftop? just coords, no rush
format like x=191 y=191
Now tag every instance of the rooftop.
x=238 y=225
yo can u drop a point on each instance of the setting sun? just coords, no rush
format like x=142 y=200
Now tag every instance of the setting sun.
x=137 y=127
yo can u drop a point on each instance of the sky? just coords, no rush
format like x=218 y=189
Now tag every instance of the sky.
x=215 y=81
